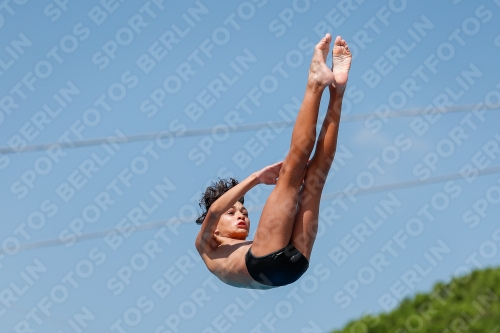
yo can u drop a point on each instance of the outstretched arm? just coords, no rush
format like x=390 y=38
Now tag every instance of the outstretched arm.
x=267 y=175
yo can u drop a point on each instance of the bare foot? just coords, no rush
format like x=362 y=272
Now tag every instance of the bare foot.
x=341 y=63
x=320 y=75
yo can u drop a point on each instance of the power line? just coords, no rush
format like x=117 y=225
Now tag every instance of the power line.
x=176 y=221
x=236 y=128
x=100 y=234
x=400 y=185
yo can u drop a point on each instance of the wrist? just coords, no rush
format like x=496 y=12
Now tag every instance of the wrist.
x=254 y=179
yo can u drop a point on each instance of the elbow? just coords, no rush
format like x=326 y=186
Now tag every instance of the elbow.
x=198 y=243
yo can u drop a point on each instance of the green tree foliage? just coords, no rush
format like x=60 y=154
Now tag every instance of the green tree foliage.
x=467 y=304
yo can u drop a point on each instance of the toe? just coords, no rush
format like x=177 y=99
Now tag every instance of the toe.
x=324 y=42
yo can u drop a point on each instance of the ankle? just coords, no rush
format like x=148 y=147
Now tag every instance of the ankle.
x=315 y=86
x=337 y=92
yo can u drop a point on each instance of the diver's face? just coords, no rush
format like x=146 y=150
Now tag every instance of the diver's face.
x=234 y=223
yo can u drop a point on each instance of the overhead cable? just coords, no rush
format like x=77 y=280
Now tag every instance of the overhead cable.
x=177 y=221
x=235 y=128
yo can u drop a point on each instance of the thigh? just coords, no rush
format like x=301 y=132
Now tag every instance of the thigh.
x=306 y=221
x=276 y=221
x=278 y=215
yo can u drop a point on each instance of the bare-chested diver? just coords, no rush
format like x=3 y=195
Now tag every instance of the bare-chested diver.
x=280 y=251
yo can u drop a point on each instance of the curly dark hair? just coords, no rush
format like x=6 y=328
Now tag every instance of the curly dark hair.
x=214 y=192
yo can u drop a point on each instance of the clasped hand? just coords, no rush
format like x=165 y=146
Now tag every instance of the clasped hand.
x=269 y=174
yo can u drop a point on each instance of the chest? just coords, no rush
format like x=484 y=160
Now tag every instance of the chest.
x=229 y=260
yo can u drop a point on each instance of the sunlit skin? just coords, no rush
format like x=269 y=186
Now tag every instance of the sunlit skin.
x=233 y=224
x=290 y=214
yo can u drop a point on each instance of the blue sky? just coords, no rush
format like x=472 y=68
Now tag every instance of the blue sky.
x=73 y=71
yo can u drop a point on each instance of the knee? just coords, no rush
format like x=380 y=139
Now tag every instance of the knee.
x=304 y=145
x=313 y=186
x=317 y=178
x=293 y=174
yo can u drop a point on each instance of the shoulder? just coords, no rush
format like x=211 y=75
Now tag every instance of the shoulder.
x=205 y=243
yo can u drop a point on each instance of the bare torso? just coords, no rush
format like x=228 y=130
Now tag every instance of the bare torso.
x=226 y=260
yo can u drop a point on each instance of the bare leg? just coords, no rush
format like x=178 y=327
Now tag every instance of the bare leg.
x=276 y=222
x=306 y=223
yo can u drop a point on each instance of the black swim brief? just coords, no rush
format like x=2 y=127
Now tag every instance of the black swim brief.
x=278 y=268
